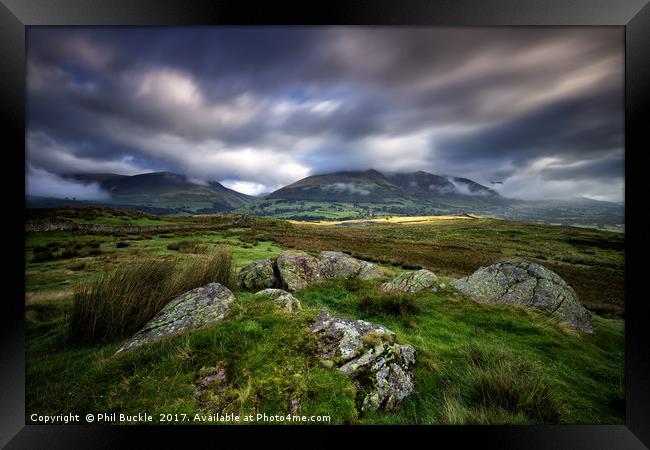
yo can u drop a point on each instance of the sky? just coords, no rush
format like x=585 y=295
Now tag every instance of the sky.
x=539 y=109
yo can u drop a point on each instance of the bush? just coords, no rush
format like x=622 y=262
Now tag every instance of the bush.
x=43 y=257
x=392 y=304
x=118 y=304
x=79 y=265
x=122 y=244
x=69 y=252
x=188 y=247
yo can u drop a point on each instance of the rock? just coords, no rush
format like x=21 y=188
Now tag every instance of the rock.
x=298 y=269
x=215 y=392
x=282 y=298
x=370 y=356
x=210 y=377
x=340 y=265
x=413 y=281
x=295 y=404
x=194 y=309
x=258 y=275
x=515 y=281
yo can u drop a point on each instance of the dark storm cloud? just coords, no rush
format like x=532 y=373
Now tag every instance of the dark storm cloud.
x=607 y=168
x=570 y=128
x=266 y=106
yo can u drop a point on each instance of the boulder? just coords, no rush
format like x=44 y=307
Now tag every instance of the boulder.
x=282 y=298
x=258 y=275
x=412 y=281
x=515 y=281
x=370 y=356
x=194 y=309
x=340 y=265
x=298 y=269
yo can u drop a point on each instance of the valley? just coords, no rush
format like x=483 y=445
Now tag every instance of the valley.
x=341 y=196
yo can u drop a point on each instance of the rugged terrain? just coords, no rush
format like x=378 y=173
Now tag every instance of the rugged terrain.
x=341 y=195
x=476 y=362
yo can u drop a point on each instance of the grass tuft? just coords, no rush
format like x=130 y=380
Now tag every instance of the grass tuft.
x=119 y=303
x=501 y=388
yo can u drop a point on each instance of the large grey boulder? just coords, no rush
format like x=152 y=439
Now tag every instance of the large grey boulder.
x=370 y=356
x=340 y=265
x=284 y=299
x=515 y=281
x=298 y=269
x=194 y=309
x=412 y=281
x=258 y=275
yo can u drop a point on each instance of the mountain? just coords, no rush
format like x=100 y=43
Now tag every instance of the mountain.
x=361 y=194
x=371 y=186
x=159 y=192
x=368 y=186
x=438 y=185
x=340 y=196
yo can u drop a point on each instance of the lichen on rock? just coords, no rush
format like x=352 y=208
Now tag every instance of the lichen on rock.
x=341 y=265
x=412 y=281
x=515 y=281
x=298 y=269
x=258 y=275
x=194 y=309
x=370 y=356
x=284 y=299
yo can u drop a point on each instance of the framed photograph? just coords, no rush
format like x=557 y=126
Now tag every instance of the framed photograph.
x=409 y=215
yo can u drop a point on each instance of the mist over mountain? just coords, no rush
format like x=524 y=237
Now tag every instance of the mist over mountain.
x=338 y=195
x=370 y=193
x=158 y=192
x=372 y=186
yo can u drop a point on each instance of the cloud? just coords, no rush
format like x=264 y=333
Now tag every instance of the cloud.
x=548 y=178
x=248 y=187
x=266 y=106
x=41 y=183
x=351 y=188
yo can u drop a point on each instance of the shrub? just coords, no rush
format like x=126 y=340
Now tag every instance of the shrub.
x=119 y=303
x=392 y=304
x=69 y=252
x=79 y=265
x=43 y=257
x=122 y=244
x=188 y=247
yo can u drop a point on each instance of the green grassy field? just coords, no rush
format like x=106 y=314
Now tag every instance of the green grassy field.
x=476 y=363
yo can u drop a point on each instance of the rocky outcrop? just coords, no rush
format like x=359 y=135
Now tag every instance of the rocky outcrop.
x=298 y=269
x=295 y=270
x=258 y=275
x=413 y=281
x=194 y=309
x=515 y=281
x=340 y=265
x=370 y=356
x=284 y=299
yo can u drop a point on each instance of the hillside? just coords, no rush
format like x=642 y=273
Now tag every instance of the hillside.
x=158 y=192
x=356 y=195
x=340 y=196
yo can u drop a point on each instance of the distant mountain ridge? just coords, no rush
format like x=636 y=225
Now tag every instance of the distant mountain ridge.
x=340 y=195
x=372 y=186
x=166 y=192
x=370 y=193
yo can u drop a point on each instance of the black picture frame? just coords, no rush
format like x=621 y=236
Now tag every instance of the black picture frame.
x=634 y=15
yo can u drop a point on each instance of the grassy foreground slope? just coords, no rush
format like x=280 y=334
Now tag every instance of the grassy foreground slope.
x=476 y=363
